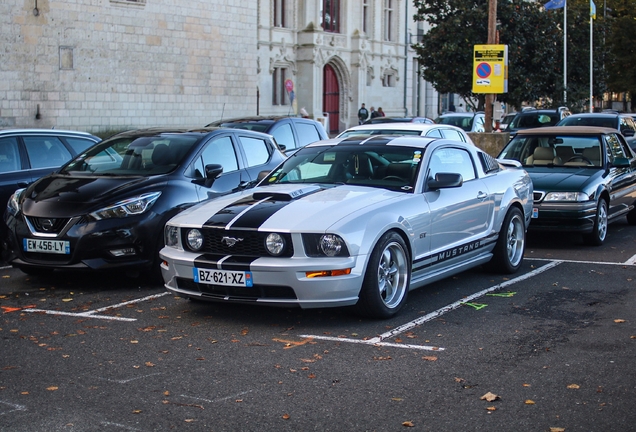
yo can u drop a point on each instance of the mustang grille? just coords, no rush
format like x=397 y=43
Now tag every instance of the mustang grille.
x=237 y=293
x=243 y=243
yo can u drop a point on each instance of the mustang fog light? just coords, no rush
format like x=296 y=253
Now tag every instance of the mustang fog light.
x=275 y=244
x=123 y=252
x=327 y=273
x=330 y=245
x=195 y=239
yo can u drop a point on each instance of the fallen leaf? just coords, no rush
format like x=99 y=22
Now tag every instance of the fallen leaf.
x=189 y=420
x=382 y=358
x=134 y=341
x=489 y=397
x=429 y=358
x=529 y=402
x=574 y=386
x=67 y=299
x=136 y=411
x=408 y=424
x=491 y=408
x=557 y=429
x=52 y=388
x=619 y=321
x=149 y=364
x=307 y=360
x=311 y=376
x=286 y=416
x=526 y=385
x=166 y=393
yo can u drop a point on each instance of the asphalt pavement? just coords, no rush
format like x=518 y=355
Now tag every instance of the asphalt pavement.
x=550 y=348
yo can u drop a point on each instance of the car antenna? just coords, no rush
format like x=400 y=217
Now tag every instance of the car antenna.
x=223 y=111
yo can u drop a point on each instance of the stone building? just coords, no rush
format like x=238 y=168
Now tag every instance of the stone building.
x=102 y=65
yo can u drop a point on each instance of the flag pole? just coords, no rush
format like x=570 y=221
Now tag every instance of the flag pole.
x=565 y=52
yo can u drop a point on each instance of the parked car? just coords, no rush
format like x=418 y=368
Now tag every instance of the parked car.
x=430 y=130
x=376 y=120
x=28 y=154
x=291 y=133
x=534 y=118
x=584 y=177
x=505 y=121
x=468 y=121
x=621 y=122
x=106 y=209
x=353 y=221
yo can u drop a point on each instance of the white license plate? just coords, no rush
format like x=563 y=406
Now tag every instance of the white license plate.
x=535 y=213
x=47 y=246
x=223 y=277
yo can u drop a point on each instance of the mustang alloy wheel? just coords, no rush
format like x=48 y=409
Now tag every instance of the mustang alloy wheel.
x=511 y=244
x=387 y=278
x=599 y=232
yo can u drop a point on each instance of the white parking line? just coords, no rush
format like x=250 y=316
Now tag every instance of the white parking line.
x=221 y=399
x=378 y=341
x=91 y=314
x=14 y=407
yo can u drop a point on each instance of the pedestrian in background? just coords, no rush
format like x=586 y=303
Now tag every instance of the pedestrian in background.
x=363 y=114
x=380 y=112
x=374 y=113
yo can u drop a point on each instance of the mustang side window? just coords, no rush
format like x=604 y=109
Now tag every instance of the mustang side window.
x=452 y=160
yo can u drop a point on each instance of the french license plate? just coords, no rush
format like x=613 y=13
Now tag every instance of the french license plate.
x=535 y=213
x=223 y=277
x=47 y=246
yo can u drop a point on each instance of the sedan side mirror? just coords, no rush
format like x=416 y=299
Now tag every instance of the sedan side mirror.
x=212 y=171
x=445 y=180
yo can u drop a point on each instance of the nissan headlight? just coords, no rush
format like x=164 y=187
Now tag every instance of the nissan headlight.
x=567 y=196
x=130 y=207
x=13 y=205
x=171 y=236
x=275 y=244
x=194 y=239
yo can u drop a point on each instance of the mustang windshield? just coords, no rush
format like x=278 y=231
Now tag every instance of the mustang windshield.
x=389 y=167
x=555 y=150
x=143 y=156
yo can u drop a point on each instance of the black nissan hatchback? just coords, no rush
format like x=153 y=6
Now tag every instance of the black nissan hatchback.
x=106 y=208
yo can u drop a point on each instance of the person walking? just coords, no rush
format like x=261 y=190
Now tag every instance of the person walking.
x=374 y=113
x=363 y=114
x=380 y=112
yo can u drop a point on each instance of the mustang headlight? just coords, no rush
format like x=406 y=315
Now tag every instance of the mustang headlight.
x=129 y=207
x=325 y=245
x=275 y=244
x=13 y=205
x=194 y=238
x=567 y=196
x=171 y=236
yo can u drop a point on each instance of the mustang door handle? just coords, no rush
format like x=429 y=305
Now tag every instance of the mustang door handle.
x=482 y=196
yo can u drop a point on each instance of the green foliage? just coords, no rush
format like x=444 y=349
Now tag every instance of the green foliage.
x=535 y=49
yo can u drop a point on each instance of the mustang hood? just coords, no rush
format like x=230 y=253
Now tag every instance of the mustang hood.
x=288 y=207
x=66 y=196
x=548 y=179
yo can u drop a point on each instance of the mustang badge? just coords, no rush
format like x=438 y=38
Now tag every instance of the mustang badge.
x=230 y=241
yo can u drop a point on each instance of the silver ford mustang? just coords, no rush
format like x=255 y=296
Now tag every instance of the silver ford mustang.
x=353 y=221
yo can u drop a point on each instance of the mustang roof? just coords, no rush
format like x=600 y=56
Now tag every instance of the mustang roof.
x=378 y=140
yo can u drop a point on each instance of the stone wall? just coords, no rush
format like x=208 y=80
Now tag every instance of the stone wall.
x=491 y=143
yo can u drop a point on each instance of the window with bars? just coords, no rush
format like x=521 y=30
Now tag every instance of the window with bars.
x=330 y=16
x=279 y=94
x=389 y=17
x=366 y=25
x=388 y=80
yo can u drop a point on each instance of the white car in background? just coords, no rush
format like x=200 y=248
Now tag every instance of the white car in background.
x=422 y=129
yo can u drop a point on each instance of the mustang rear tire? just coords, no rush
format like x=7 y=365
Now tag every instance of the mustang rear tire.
x=508 y=253
x=599 y=232
x=387 y=278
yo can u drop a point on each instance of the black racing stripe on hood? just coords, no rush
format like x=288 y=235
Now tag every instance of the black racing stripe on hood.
x=225 y=215
x=211 y=261
x=258 y=214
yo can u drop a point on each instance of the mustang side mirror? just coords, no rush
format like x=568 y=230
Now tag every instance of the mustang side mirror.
x=445 y=180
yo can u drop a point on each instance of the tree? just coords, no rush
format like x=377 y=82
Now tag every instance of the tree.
x=621 y=59
x=535 y=48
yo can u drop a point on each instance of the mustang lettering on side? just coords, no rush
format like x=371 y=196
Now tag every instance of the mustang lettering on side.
x=341 y=223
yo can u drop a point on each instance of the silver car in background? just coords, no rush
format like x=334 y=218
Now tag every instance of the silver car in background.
x=353 y=221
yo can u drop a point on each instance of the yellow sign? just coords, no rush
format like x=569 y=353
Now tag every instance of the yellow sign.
x=490 y=69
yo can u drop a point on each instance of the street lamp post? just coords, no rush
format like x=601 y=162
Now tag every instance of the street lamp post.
x=492 y=39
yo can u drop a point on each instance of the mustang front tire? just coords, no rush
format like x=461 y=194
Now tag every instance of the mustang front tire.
x=387 y=278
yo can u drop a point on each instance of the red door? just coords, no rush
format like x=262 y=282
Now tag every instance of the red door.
x=331 y=98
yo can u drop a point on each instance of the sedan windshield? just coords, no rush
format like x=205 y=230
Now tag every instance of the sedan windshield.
x=576 y=151
x=142 y=156
x=389 y=167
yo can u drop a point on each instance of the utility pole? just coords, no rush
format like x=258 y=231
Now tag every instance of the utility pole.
x=492 y=39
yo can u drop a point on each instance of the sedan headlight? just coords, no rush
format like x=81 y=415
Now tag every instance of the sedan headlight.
x=13 y=205
x=567 y=196
x=171 y=236
x=129 y=207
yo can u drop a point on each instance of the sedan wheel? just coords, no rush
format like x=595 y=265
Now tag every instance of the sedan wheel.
x=599 y=232
x=387 y=278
